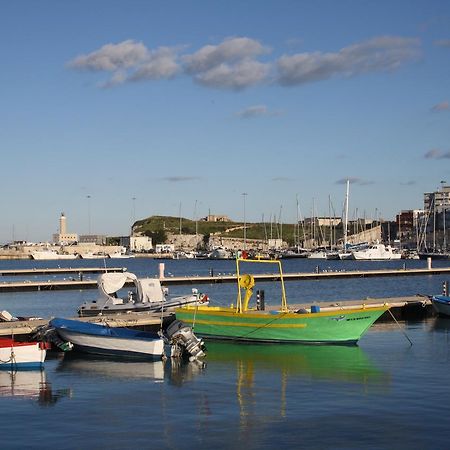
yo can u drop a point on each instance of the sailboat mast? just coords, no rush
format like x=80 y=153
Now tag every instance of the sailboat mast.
x=346 y=215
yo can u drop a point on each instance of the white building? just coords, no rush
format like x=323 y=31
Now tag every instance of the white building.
x=137 y=243
x=164 y=248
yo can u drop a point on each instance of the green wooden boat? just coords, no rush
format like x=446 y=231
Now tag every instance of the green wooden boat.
x=243 y=323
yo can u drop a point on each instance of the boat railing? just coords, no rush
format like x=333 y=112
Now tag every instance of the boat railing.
x=242 y=304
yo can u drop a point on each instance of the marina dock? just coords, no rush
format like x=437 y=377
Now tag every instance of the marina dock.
x=401 y=307
x=80 y=283
x=59 y=270
x=26 y=327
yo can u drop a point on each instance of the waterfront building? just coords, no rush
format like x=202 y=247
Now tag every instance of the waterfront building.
x=438 y=201
x=137 y=243
x=99 y=239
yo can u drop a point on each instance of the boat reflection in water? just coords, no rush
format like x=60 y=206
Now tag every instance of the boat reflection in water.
x=331 y=362
x=97 y=366
x=292 y=368
x=176 y=371
x=30 y=384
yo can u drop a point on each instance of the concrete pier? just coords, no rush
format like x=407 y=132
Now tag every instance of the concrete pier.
x=27 y=327
x=59 y=270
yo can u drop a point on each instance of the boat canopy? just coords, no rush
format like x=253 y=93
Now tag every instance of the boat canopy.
x=110 y=283
x=148 y=289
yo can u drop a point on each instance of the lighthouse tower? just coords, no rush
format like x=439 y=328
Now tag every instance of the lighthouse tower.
x=62 y=224
x=63 y=237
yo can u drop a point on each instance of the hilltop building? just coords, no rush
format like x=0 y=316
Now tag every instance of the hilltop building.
x=215 y=218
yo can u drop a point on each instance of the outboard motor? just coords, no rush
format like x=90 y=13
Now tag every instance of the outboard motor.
x=183 y=340
x=46 y=333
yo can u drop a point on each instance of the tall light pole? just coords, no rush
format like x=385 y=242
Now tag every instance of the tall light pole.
x=133 y=218
x=244 y=194
x=89 y=213
x=196 y=222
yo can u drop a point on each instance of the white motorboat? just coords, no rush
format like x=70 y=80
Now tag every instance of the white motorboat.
x=103 y=340
x=90 y=255
x=377 y=252
x=21 y=355
x=220 y=253
x=107 y=341
x=117 y=255
x=46 y=254
x=318 y=254
x=147 y=295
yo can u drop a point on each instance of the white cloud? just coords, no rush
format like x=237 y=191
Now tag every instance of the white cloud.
x=112 y=57
x=253 y=111
x=129 y=61
x=378 y=54
x=162 y=63
x=231 y=49
x=354 y=180
x=233 y=64
x=177 y=179
x=256 y=111
x=229 y=65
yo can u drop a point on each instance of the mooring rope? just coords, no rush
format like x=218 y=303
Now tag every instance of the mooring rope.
x=395 y=320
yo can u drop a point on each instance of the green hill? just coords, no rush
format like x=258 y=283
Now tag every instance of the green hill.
x=157 y=227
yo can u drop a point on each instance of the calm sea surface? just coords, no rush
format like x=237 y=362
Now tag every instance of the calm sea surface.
x=383 y=393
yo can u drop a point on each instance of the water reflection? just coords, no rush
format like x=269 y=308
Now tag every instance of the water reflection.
x=30 y=384
x=276 y=374
x=175 y=371
x=111 y=368
x=334 y=363
x=441 y=325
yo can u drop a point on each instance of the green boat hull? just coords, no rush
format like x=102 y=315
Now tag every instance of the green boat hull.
x=336 y=327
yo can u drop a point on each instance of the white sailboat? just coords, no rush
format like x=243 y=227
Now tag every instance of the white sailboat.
x=345 y=254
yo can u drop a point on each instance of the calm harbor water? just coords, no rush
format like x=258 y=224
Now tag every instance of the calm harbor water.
x=383 y=393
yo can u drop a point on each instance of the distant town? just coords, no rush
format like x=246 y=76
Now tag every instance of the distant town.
x=413 y=232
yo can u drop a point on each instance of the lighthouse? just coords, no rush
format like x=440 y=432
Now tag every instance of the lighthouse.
x=63 y=237
x=62 y=224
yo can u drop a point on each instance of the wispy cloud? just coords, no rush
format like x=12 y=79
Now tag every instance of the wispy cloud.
x=235 y=63
x=378 y=54
x=178 y=179
x=282 y=179
x=436 y=153
x=442 y=43
x=256 y=111
x=443 y=106
x=354 y=180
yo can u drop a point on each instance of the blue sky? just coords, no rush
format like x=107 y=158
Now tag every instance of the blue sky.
x=194 y=103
